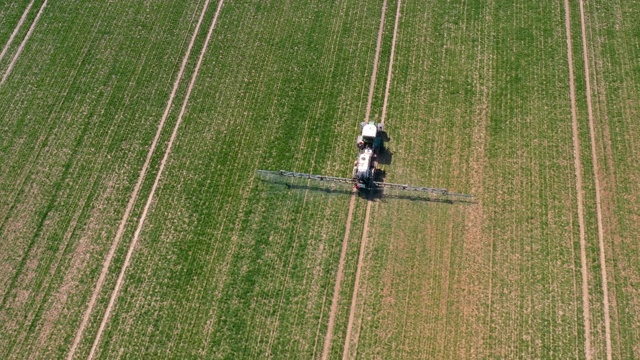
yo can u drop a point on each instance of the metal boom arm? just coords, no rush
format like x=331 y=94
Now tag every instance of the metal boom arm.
x=437 y=191
x=306 y=176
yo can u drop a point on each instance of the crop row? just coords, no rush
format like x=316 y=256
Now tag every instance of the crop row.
x=612 y=46
x=228 y=265
x=480 y=103
x=79 y=110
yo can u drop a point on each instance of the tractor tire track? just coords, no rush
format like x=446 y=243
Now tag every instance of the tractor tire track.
x=390 y=70
x=588 y=351
x=163 y=163
x=114 y=245
x=345 y=241
x=354 y=297
x=15 y=31
x=365 y=230
x=338 y=282
x=376 y=60
x=23 y=43
x=596 y=174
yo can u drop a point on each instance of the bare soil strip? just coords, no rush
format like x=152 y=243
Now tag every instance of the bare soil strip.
x=354 y=298
x=579 y=190
x=163 y=163
x=15 y=31
x=339 y=275
x=23 y=43
x=475 y=241
x=114 y=245
x=365 y=231
x=393 y=52
x=376 y=59
x=596 y=173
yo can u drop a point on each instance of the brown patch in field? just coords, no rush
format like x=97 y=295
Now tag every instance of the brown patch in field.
x=19 y=225
x=23 y=177
x=68 y=284
x=612 y=222
x=78 y=260
x=29 y=272
x=475 y=240
x=445 y=270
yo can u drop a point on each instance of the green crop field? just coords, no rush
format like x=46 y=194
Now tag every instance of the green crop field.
x=613 y=47
x=10 y=14
x=483 y=109
x=133 y=224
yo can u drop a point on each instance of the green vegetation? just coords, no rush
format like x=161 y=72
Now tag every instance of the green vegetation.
x=10 y=14
x=230 y=266
x=78 y=113
x=615 y=87
x=480 y=103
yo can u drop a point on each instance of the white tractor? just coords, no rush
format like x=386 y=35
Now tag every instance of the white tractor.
x=365 y=175
x=369 y=143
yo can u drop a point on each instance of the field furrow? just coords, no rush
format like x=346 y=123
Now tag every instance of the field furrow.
x=597 y=186
x=7 y=45
x=133 y=223
x=20 y=48
x=586 y=315
x=134 y=196
x=83 y=139
x=611 y=50
x=203 y=282
x=495 y=278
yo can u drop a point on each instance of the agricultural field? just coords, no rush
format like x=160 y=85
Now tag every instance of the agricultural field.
x=133 y=224
x=11 y=13
x=614 y=89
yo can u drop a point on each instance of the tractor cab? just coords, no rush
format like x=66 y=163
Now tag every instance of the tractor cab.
x=370 y=137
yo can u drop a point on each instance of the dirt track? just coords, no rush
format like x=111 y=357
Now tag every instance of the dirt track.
x=365 y=230
x=354 y=298
x=136 y=236
x=339 y=275
x=15 y=31
x=376 y=60
x=114 y=245
x=383 y=117
x=596 y=175
x=579 y=190
x=338 y=282
x=23 y=43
